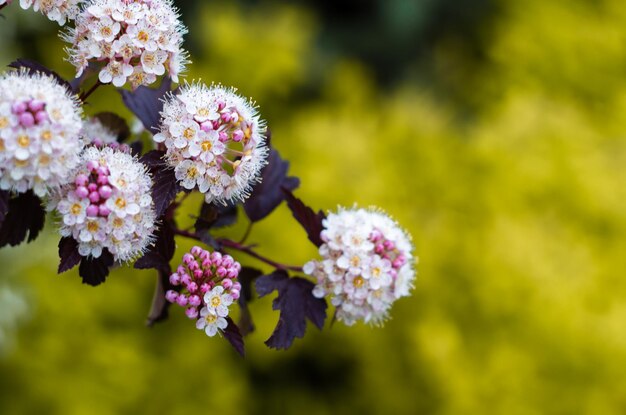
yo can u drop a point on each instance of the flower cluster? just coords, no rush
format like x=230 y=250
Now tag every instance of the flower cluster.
x=215 y=141
x=366 y=265
x=108 y=205
x=39 y=133
x=56 y=10
x=135 y=41
x=208 y=286
x=97 y=134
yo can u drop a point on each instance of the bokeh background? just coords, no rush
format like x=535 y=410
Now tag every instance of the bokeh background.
x=493 y=130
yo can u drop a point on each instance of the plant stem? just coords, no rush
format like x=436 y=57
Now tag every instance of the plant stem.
x=86 y=95
x=227 y=243
x=244 y=238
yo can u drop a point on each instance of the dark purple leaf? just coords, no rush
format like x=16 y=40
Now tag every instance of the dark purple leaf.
x=296 y=302
x=267 y=195
x=212 y=216
x=33 y=67
x=26 y=216
x=4 y=204
x=164 y=184
x=114 y=123
x=68 y=253
x=146 y=103
x=159 y=310
x=136 y=147
x=234 y=337
x=94 y=271
x=161 y=252
x=310 y=221
x=246 y=277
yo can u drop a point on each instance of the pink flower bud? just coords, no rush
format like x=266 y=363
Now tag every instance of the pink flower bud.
x=204 y=288
x=227 y=261
x=188 y=259
x=221 y=104
x=171 y=296
x=223 y=137
x=97 y=142
x=81 y=180
x=27 y=119
x=94 y=197
x=233 y=272
x=180 y=270
x=238 y=136
x=235 y=294
x=18 y=107
x=198 y=273
x=36 y=105
x=174 y=279
x=102 y=180
x=105 y=191
x=92 y=211
x=92 y=165
x=206 y=126
x=216 y=256
x=192 y=287
x=102 y=171
x=205 y=255
x=82 y=192
x=389 y=245
x=185 y=279
x=226 y=117
x=221 y=271
x=92 y=187
x=195 y=300
x=379 y=249
x=182 y=300
x=237 y=286
x=104 y=211
x=196 y=250
x=206 y=264
x=227 y=284
x=191 y=312
x=376 y=236
x=41 y=117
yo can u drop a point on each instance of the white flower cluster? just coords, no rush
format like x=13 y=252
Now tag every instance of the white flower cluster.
x=108 y=205
x=136 y=41
x=58 y=11
x=215 y=141
x=367 y=264
x=39 y=133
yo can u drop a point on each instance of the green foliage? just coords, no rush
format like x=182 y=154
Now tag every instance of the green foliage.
x=518 y=216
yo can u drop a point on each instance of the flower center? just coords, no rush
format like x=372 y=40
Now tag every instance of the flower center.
x=106 y=31
x=120 y=203
x=216 y=301
x=4 y=122
x=358 y=282
x=76 y=208
x=210 y=318
x=355 y=261
x=46 y=135
x=93 y=227
x=206 y=146
x=192 y=172
x=44 y=160
x=143 y=36
x=118 y=223
x=376 y=272
x=203 y=112
x=23 y=141
x=188 y=133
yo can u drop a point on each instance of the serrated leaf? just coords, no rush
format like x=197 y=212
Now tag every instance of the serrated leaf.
x=213 y=217
x=34 y=67
x=296 y=303
x=146 y=103
x=310 y=221
x=267 y=195
x=25 y=217
x=68 y=253
x=94 y=271
x=164 y=184
x=159 y=310
x=161 y=251
x=234 y=337
x=114 y=123
x=246 y=277
x=4 y=205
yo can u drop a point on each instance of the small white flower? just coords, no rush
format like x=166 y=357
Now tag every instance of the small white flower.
x=210 y=323
x=217 y=301
x=115 y=72
x=56 y=10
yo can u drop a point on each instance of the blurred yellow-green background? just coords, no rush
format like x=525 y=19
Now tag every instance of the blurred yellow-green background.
x=493 y=130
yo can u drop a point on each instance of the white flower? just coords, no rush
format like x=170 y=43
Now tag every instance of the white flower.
x=39 y=133
x=108 y=205
x=146 y=35
x=56 y=10
x=217 y=301
x=210 y=323
x=215 y=141
x=366 y=264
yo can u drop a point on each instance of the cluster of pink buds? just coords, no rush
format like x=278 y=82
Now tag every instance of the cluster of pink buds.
x=94 y=189
x=30 y=112
x=388 y=250
x=208 y=285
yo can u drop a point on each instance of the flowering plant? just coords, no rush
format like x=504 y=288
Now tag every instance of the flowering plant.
x=115 y=203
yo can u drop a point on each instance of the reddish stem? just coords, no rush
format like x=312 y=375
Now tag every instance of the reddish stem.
x=227 y=243
x=86 y=95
